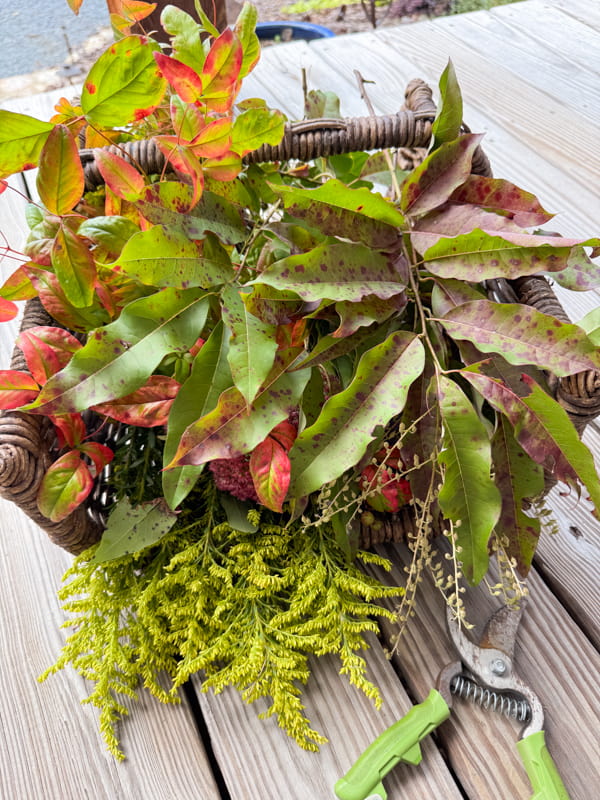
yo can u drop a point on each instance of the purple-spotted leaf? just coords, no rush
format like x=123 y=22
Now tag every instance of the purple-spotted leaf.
x=133 y=528
x=450 y=221
x=468 y=495
x=231 y=429
x=432 y=182
x=188 y=120
x=55 y=302
x=480 y=256
x=47 y=350
x=270 y=470
x=337 y=210
x=16 y=388
x=21 y=141
x=519 y=479
x=255 y=127
x=74 y=267
x=523 y=207
x=60 y=180
x=330 y=347
x=523 y=335
x=8 y=310
x=164 y=257
x=580 y=274
x=368 y=310
x=119 y=358
x=146 y=407
x=448 y=294
x=339 y=271
x=184 y=80
x=252 y=346
x=65 y=486
x=273 y=306
x=119 y=175
x=543 y=430
x=124 y=84
x=339 y=437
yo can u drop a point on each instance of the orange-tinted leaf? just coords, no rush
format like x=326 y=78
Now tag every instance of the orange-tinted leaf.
x=47 y=350
x=8 y=310
x=97 y=137
x=65 y=486
x=270 y=470
x=119 y=175
x=182 y=78
x=60 y=180
x=184 y=162
x=147 y=407
x=222 y=66
x=74 y=267
x=75 y=5
x=100 y=454
x=70 y=429
x=68 y=114
x=17 y=286
x=16 y=388
x=136 y=10
x=214 y=141
x=225 y=168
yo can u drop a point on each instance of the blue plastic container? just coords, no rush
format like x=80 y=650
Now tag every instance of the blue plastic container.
x=292 y=30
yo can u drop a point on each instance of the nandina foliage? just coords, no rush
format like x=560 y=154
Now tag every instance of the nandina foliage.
x=361 y=317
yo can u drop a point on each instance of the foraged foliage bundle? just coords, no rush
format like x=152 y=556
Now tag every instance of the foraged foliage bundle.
x=285 y=353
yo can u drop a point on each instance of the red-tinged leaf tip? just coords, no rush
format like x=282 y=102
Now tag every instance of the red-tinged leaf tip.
x=182 y=78
x=271 y=470
x=70 y=428
x=119 y=175
x=8 y=310
x=16 y=388
x=64 y=487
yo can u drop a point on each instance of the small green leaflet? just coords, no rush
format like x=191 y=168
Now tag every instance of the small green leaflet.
x=344 y=429
x=468 y=494
x=133 y=528
x=448 y=121
x=185 y=33
x=21 y=140
x=113 y=233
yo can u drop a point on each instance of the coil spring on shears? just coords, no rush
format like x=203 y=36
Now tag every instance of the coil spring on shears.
x=488 y=699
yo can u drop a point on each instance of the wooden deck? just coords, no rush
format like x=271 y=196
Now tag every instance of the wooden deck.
x=530 y=78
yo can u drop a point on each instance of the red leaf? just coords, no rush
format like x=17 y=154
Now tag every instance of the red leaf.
x=119 y=175
x=65 y=486
x=47 y=350
x=70 y=429
x=525 y=208
x=270 y=469
x=184 y=162
x=60 y=181
x=285 y=434
x=214 y=141
x=147 y=407
x=3 y=186
x=100 y=454
x=8 y=310
x=182 y=78
x=16 y=388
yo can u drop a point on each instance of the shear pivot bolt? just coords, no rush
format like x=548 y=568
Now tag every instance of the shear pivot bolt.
x=498 y=666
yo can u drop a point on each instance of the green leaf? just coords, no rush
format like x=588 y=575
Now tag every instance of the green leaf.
x=65 y=486
x=21 y=140
x=236 y=511
x=340 y=271
x=74 y=267
x=448 y=120
x=161 y=205
x=131 y=529
x=185 y=36
x=255 y=127
x=322 y=104
x=543 y=429
x=245 y=27
x=591 y=325
x=113 y=233
x=518 y=479
x=523 y=335
x=164 y=257
x=337 y=210
x=524 y=207
x=119 y=358
x=344 y=429
x=124 y=84
x=468 y=495
x=60 y=180
x=210 y=376
x=231 y=430
x=252 y=346
x=432 y=182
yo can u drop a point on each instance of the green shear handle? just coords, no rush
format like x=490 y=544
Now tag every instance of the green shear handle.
x=541 y=769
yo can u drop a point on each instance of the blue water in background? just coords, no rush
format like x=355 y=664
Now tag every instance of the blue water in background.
x=35 y=32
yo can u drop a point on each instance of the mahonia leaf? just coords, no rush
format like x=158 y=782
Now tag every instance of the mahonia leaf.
x=523 y=335
x=146 y=407
x=430 y=184
x=119 y=358
x=337 y=210
x=448 y=120
x=543 y=429
x=523 y=207
x=344 y=429
x=65 y=485
x=468 y=495
x=21 y=141
x=74 y=267
x=60 y=180
x=124 y=84
x=252 y=346
x=119 y=175
x=133 y=528
x=519 y=479
x=16 y=388
x=209 y=377
x=340 y=271
x=47 y=350
x=231 y=430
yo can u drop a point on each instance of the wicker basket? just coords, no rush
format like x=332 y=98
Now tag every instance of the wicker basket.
x=27 y=441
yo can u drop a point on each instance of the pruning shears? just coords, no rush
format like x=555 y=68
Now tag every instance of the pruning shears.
x=485 y=675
